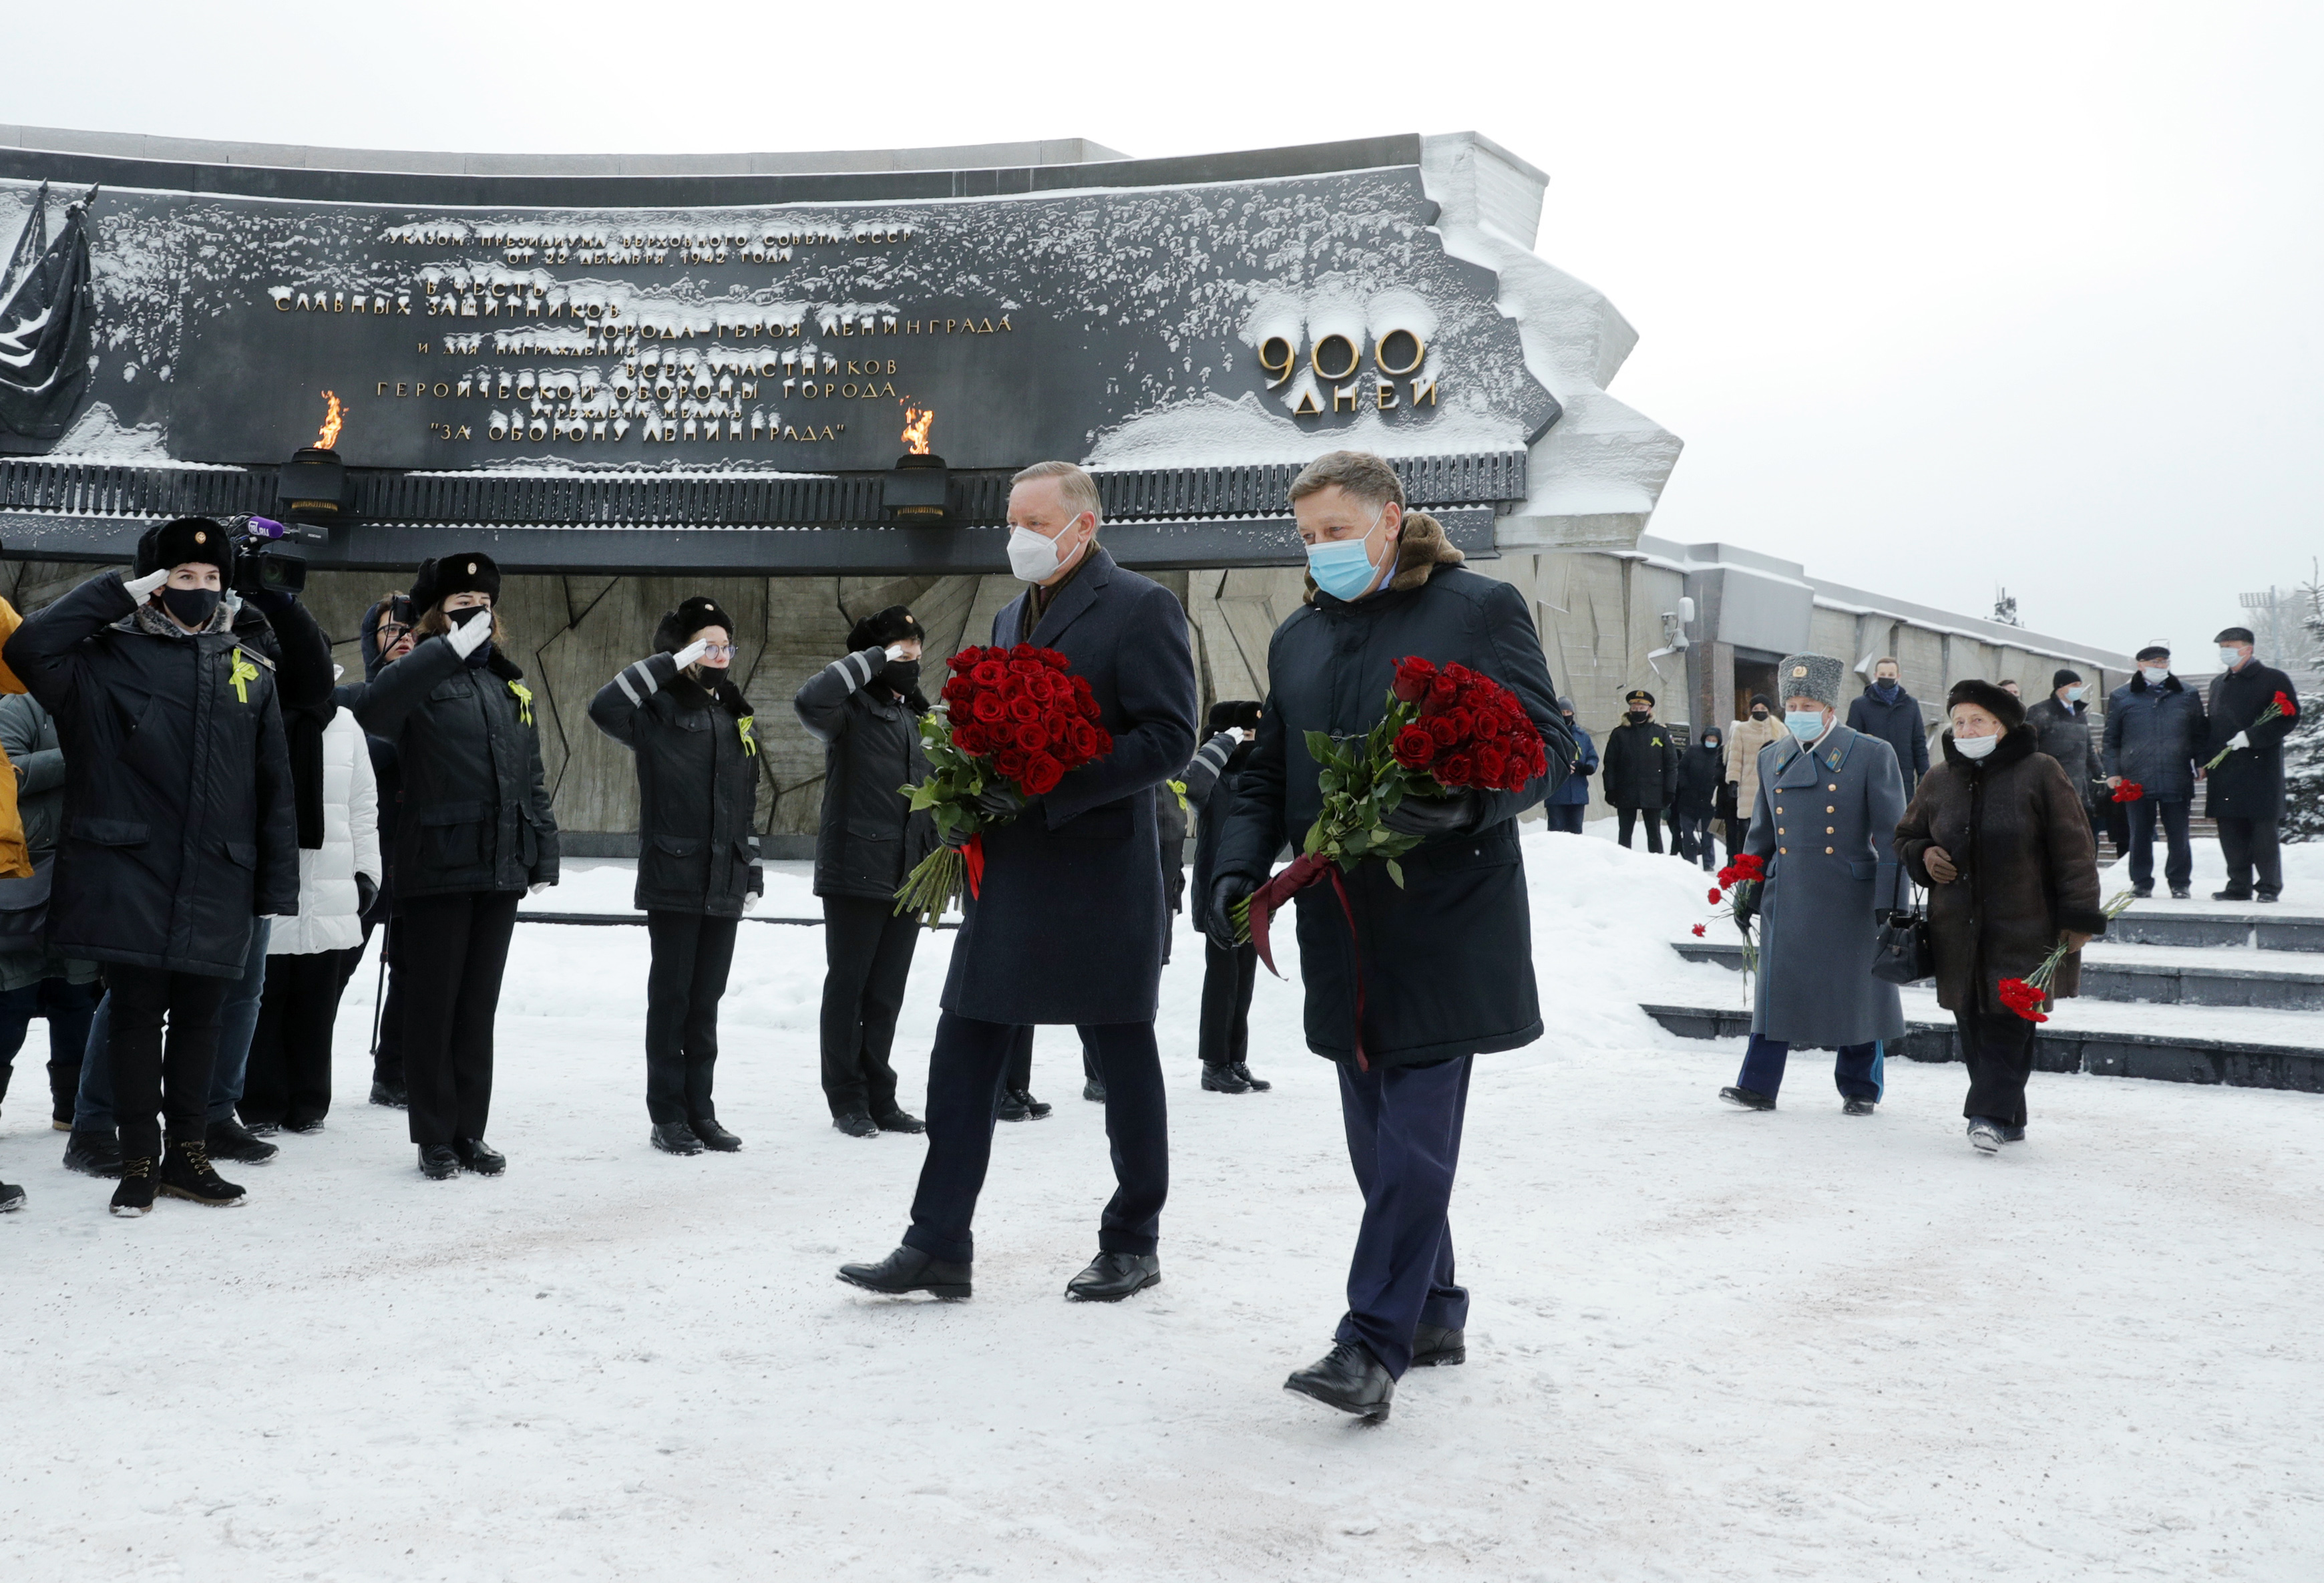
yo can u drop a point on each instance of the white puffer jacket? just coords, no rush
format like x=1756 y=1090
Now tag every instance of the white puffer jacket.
x=330 y=917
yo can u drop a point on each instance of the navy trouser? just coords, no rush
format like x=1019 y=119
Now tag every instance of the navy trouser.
x=2179 y=868
x=68 y=1008
x=1404 y=1140
x=965 y=1067
x=237 y=1022
x=1858 y=1071
x=1566 y=817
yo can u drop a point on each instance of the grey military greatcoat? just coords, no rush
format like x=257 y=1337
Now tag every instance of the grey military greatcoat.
x=1825 y=825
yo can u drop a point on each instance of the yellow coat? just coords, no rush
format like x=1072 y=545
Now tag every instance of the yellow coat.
x=13 y=863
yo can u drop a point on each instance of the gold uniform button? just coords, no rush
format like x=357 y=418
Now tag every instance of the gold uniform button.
x=1834 y=787
x=1826 y=851
x=1830 y=831
x=1827 y=807
x=1779 y=829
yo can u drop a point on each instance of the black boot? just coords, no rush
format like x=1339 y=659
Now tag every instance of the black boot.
x=900 y=1121
x=479 y=1156
x=11 y=1197
x=1439 y=1346
x=303 y=1122
x=1350 y=1378
x=187 y=1173
x=1034 y=1108
x=93 y=1153
x=1111 y=1277
x=675 y=1137
x=391 y=1095
x=1220 y=1078
x=1747 y=1098
x=135 y=1196
x=715 y=1137
x=1011 y=1107
x=1858 y=1105
x=230 y=1140
x=1093 y=1090
x=1242 y=1069
x=438 y=1162
x=907 y=1269
x=856 y=1124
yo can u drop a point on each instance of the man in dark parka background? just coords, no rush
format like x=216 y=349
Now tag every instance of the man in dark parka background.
x=1069 y=924
x=2245 y=796
x=1447 y=959
x=1641 y=768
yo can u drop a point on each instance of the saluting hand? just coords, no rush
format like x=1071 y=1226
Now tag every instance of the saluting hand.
x=141 y=588
x=690 y=653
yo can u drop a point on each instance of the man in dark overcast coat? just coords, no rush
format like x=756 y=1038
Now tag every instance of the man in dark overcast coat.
x=1069 y=924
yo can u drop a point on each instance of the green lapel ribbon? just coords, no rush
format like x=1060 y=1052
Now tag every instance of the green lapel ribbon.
x=743 y=730
x=523 y=701
x=243 y=675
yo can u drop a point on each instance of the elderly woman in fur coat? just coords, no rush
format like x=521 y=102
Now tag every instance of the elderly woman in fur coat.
x=1997 y=834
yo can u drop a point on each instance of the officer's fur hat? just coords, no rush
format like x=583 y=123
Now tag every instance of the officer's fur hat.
x=1229 y=714
x=471 y=573
x=677 y=628
x=891 y=625
x=188 y=538
x=1815 y=676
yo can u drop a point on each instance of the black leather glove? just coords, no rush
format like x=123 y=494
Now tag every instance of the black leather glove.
x=1433 y=816
x=366 y=892
x=1745 y=904
x=1000 y=802
x=957 y=837
x=1219 y=922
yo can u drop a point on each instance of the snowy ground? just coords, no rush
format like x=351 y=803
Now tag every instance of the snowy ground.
x=1705 y=1343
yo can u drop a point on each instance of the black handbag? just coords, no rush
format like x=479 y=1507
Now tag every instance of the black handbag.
x=1903 y=953
x=24 y=908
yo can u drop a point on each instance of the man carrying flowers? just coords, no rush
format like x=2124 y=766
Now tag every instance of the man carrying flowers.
x=1442 y=963
x=1065 y=920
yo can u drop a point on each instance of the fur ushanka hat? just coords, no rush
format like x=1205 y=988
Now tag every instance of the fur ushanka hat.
x=1815 y=676
x=2003 y=707
x=188 y=538
x=471 y=573
x=677 y=628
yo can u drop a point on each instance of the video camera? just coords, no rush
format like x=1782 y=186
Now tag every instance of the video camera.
x=262 y=563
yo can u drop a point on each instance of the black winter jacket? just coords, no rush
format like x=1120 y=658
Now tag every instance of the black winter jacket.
x=1211 y=781
x=869 y=838
x=1899 y=725
x=2063 y=732
x=179 y=830
x=2249 y=782
x=2153 y=736
x=1447 y=958
x=697 y=787
x=1701 y=771
x=384 y=767
x=475 y=813
x=1640 y=765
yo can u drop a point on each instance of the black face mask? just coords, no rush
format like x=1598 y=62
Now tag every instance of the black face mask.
x=901 y=676
x=1641 y=714
x=192 y=606
x=1758 y=714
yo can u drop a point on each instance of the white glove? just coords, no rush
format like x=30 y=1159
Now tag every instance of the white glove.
x=690 y=653
x=2240 y=740
x=469 y=637
x=896 y=652
x=539 y=885
x=141 y=588
x=750 y=901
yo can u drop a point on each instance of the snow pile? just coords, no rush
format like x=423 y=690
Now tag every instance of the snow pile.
x=1704 y=1344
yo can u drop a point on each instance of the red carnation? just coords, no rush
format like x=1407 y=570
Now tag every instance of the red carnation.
x=2023 y=998
x=1746 y=866
x=2129 y=791
x=1717 y=897
x=1698 y=927
x=1415 y=746
x=2284 y=706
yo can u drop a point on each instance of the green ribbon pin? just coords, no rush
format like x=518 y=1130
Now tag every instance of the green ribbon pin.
x=243 y=675
x=743 y=730
x=523 y=701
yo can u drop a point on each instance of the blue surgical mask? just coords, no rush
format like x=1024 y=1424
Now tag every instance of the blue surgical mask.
x=2075 y=695
x=1342 y=569
x=1807 y=725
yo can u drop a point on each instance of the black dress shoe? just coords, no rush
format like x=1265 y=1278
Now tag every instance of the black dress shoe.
x=855 y=1123
x=1009 y=1106
x=2140 y=892
x=900 y=1121
x=230 y=1140
x=1093 y=1091
x=479 y=1156
x=438 y=1162
x=675 y=1137
x=1439 y=1346
x=907 y=1270
x=1856 y=1106
x=393 y=1095
x=2231 y=895
x=2182 y=893
x=1242 y=1069
x=1747 y=1099
x=716 y=1138
x=93 y=1153
x=304 y=1126
x=1350 y=1378
x=2267 y=897
x=1111 y=1277
x=1035 y=1109
x=1222 y=1080
x=2010 y=1134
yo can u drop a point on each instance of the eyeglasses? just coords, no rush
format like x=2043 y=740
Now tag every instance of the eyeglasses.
x=718 y=650
x=389 y=635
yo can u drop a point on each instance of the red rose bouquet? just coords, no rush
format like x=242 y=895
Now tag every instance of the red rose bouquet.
x=2278 y=706
x=2027 y=995
x=1017 y=718
x=1445 y=731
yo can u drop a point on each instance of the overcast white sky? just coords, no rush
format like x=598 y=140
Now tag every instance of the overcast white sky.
x=1939 y=296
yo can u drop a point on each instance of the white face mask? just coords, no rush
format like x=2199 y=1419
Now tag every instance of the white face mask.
x=1976 y=747
x=2075 y=695
x=2155 y=674
x=2230 y=658
x=1033 y=557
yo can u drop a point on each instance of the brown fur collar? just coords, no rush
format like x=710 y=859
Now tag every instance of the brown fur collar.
x=1421 y=548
